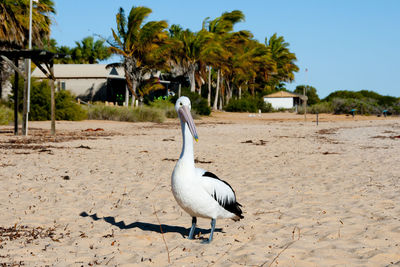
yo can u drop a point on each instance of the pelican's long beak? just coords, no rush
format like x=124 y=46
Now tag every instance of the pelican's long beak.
x=185 y=116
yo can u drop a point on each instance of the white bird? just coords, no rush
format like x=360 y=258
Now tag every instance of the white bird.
x=199 y=192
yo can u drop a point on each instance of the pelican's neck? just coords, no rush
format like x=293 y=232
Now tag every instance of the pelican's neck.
x=187 y=154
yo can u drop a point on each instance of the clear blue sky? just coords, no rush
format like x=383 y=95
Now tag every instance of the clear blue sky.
x=344 y=44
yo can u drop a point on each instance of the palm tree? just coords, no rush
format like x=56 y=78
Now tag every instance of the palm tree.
x=283 y=58
x=238 y=60
x=141 y=45
x=90 y=52
x=14 y=27
x=220 y=28
x=14 y=23
x=186 y=52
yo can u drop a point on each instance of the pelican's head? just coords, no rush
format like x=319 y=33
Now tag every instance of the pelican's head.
x=183 y=107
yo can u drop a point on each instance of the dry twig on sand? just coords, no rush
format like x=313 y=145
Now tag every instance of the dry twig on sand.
x=277 y=256
x=162 y=234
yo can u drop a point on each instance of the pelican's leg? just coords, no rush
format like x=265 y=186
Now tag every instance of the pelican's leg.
x=211 y=233
x=191 y=233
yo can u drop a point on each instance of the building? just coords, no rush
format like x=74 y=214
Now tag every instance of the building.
x=89 y=82
x=284 y=99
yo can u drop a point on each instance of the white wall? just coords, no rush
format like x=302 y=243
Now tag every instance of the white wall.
x=280 y=102
x=80 y=87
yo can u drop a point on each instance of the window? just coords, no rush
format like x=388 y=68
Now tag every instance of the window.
x=61 y=86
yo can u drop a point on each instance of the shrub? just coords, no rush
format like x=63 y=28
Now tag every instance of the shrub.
x=364 y=95
x=165 y=105
x=6 y=115
x=67 y=108
x=117 y=113
x=365 y=107
x=199 y=104
x=248 y=104
x=395 y=109
x=40 y=102
x=343 y=94
x=322 y=107
x=311 y=93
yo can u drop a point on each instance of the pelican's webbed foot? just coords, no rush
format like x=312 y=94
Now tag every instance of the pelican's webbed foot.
x=208 y=241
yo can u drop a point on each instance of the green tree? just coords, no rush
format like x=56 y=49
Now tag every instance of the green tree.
x=252 y=63
x=66 y=106
x=186 y=52
x=215 y=54
x=14 y=23
x=142 y=45
x=311 y=93
x=89 y=51
x=283 y=58
x=14 y=27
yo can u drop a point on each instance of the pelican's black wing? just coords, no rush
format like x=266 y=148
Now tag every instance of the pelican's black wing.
x=222 y=192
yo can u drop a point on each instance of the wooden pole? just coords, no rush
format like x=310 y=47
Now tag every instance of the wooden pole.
x=53 y=100
x=25 y=107
x=16 y=77
x=305 y=103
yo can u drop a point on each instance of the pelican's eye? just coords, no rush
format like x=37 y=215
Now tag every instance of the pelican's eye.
x=181 y=104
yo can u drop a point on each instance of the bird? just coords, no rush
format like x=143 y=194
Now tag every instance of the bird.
x=198 y=192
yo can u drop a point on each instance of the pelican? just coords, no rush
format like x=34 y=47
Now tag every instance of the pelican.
x=198 y=192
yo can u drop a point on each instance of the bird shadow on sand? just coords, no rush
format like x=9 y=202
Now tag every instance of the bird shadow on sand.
x=148 y=226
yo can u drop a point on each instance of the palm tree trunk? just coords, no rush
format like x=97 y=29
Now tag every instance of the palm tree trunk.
x=217 y=90
x=209 y=86
x=126 y=102
x=128 y=69
x=222 y=92
x=134 y=85
x=228 y=92
x=192 y=79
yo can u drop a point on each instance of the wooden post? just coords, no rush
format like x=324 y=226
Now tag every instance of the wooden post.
x=25 y=107
x=305 y=103
x=317 y=118
x=53 y=100
x=16 y=77
x=179 y=90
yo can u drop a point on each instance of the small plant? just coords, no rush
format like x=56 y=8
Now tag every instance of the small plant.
x=248 y=104
x=6 y=115
x=366 y=106
x=165 y=105
x=40 y=110
x=117 y=113
x=322 y=107
x=67 y=108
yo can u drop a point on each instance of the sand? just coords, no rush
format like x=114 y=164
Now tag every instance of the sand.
x=325 y=195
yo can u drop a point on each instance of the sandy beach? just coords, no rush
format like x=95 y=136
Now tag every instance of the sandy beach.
x=99 y=192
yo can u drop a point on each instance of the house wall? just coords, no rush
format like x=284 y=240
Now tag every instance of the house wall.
x=87 y=89
x=280 y=102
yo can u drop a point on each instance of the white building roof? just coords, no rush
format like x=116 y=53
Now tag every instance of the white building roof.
x=285 y=94
x=82 y=71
